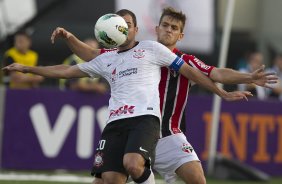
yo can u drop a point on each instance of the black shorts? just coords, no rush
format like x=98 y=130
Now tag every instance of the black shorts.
x=130 y=135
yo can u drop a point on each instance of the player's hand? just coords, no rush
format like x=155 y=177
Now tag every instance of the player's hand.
x=16 y=67
x=60 y=32
x=237 y=95
x=264 y=79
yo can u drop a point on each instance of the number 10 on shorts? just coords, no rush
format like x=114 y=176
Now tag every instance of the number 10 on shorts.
x=101 y=145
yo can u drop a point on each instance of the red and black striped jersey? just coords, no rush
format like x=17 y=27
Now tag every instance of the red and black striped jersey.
x=174 y=89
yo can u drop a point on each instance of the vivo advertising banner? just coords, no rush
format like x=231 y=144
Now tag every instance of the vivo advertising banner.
x=51 y=129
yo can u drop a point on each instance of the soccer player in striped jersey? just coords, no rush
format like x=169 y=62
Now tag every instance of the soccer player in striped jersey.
x=172 y=85
x=179 y=158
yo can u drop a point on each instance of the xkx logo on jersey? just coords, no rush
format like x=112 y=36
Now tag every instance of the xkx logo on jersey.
x=122 y=110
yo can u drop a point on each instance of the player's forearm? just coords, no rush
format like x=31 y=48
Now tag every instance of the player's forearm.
x=82 y=50
x=229 y=76
x=56 y=71
x=24 y=78
x=201 y=79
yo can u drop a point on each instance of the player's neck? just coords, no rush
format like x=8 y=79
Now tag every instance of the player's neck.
x=128 y=46
x=171 y=47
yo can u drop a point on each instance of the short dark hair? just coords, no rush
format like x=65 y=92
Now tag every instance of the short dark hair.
x=23 y=33
x=178 y=15
x=124 y=12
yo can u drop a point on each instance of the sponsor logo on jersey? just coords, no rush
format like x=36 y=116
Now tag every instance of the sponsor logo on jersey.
x=187 y=148
x=127 y=72
x=122 y=110
x=98 y=161
x=117 y=75
x=201 y=64
x=114 y=75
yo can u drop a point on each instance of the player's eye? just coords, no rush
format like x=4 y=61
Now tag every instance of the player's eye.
x=175 y=28
x=164 y=25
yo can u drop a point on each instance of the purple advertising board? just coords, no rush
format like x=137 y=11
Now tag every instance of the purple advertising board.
x=43 y=129
x=51 y=129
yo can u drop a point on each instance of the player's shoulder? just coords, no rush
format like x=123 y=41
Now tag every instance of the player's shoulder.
x=32 y=52
x=183 y=55
x=147 y=42
x=10 y=52
x=150 y=43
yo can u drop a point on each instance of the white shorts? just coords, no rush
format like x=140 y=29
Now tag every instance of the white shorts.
x=172 y=152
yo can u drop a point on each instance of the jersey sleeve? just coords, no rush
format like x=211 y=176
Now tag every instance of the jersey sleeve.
x=200 y=65
x=167 y=58
x=93 y=68
x=103 y=50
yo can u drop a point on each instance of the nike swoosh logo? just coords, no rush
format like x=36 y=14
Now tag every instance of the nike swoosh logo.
x=109 y=65
x=141 y=149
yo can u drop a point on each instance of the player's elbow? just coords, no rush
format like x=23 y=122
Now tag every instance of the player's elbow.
x=217 y=76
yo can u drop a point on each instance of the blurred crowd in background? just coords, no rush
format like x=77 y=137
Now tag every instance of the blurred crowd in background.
x=21 y=53
x=18 y=48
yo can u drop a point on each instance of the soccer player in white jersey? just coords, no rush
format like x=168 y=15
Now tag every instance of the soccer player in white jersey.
x=258 y=77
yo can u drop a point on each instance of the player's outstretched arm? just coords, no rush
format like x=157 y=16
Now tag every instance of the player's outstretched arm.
x=82 y=50
x=207 y=83
x=258 y=77
x=56 y=71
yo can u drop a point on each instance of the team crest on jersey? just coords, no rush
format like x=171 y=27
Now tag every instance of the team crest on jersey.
x=98 y=161
x=114 y=75
x=139 y=53
x=187 y=148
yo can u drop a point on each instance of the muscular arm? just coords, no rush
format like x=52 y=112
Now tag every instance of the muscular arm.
x=56 y=71
x=20 y=78
x=82 y=50
x=229 y=76
x=200 y=79
x=207 y=83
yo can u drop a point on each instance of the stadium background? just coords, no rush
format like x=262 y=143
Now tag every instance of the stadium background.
x=256 y=25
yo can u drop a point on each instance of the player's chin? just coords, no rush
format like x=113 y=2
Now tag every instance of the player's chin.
x=165 y=41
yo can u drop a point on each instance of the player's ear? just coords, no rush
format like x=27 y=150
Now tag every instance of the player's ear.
x=180 y=37
x=157 y=29
x=136 y=29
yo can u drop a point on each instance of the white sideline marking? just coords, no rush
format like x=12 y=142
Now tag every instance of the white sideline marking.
x=55 y=178
x=42 y=177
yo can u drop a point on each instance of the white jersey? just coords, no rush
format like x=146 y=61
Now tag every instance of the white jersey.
x=134 y=77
